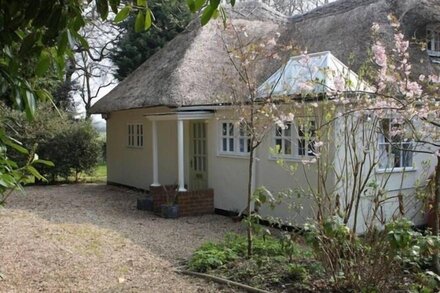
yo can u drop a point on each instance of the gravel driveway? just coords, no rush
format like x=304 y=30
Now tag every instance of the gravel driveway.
x=91 y=238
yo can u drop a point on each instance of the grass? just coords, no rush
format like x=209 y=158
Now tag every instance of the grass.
x=100 y=174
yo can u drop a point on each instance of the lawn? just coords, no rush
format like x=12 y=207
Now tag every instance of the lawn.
x=99 y=175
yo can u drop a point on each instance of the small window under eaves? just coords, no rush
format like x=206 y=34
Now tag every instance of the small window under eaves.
x=433 y=40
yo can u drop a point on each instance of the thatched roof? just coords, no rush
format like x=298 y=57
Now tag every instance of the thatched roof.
x=191 y=69
x=344 y=28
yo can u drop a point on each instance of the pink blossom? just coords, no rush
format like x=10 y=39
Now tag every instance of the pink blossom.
x=271 y=42
x=339 y=83
x=401 y=44
x=305 y=86
x=380 y=56
x=414 y=89
x=375 y=27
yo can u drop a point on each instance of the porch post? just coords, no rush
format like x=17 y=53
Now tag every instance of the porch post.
x=180 y=159
x=155 y=155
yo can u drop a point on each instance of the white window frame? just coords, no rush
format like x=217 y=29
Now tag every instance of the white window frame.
x=433 y=40
x=237 y=140
x=294 y=139
x=135 y=135
x=387 y=144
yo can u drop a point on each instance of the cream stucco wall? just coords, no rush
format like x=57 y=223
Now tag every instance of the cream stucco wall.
x=404 y=182
x=134 y=166
x=227 y=175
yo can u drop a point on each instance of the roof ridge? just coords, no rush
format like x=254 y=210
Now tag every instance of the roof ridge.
x=332 y=8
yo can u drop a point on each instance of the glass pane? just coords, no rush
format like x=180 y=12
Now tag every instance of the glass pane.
x=278 y=146
x=288 y=130
x=248 y=145
x=242 y=145
x=384 y=156
x=224 y=129
x=231 y=129
x=301 y=131
x=407 y=155
x=231 y=144
x=301 y=147
x=278 y=131
x=311 y=148
x=287 y=147
x=224 y=144
x=397 y=156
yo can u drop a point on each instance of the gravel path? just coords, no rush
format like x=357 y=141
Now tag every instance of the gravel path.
x=91 y=238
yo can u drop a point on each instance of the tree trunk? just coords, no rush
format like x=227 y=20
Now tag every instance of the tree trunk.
x=435 y=231
x=249 y=199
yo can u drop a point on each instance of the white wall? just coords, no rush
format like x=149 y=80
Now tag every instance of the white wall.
x=394 y=182
x=134 y=166
x=228 y=176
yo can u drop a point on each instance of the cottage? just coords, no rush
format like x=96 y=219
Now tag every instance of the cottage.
x=167 y=125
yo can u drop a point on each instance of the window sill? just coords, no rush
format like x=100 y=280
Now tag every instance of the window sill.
x=434 y=53
x=308 y=160
x=233 y=155
x=134 y=147
x=396 y=170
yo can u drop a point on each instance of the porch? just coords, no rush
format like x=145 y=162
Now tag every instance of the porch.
x=190 y=190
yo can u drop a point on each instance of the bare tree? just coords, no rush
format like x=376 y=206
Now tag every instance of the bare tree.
x=92 y=67
x=292 y=7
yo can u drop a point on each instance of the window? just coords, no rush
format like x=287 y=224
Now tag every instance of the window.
x=394 y=150
x=306 y=138
x=234 y=138
x=135 y=135
x=295 y=140
x=433 y=41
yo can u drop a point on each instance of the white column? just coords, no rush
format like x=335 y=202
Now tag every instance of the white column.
x=180 y=158
x=155 y=155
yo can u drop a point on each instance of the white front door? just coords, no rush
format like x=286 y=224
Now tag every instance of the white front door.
x=199 y=160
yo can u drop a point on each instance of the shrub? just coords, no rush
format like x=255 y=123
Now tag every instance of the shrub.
x=211 y=256
x=73 y=146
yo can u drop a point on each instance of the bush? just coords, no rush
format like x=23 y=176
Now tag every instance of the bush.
x=211 y=256
x=74 y=150
x=378 y=261
x=73 y=146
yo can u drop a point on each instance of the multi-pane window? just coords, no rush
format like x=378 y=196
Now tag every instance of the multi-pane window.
x=295 y=139
x=283 y=139
x=135 y=135
x=306 y=138
x=243 y=139
x=234 y=138
x=228 y=144
x=433 y=41
x=394 y=150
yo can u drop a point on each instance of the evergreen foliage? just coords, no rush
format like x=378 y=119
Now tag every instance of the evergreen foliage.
x=171 y=18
